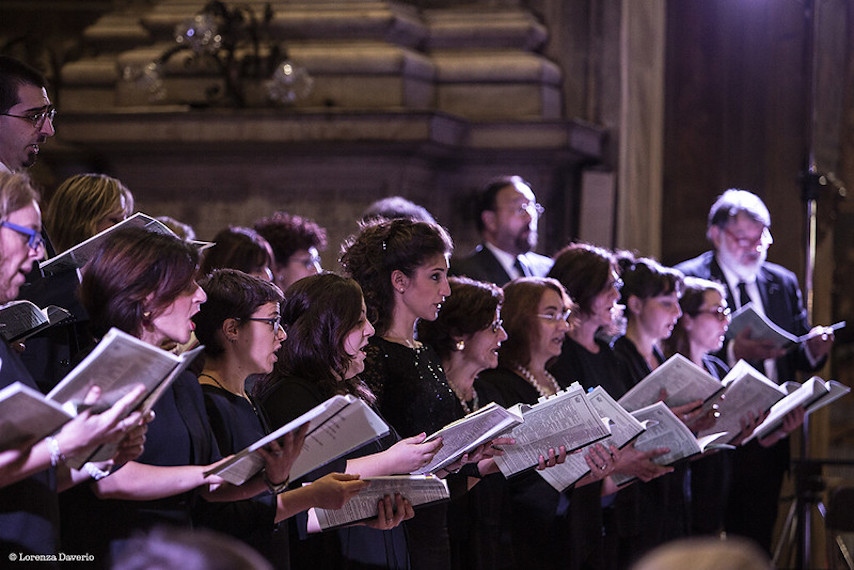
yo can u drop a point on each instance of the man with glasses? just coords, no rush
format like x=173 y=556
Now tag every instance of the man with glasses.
x=739 y=229
x=506 y=213
x=26 y=114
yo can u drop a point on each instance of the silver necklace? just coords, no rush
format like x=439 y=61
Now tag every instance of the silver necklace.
x=532 y=380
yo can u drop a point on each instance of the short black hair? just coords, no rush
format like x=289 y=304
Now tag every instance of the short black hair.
x=13 y=74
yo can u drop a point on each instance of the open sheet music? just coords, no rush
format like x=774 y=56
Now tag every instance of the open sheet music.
x=567 y=419
x=77 y=256
x=664 y=429
x=762 y=328
x=117 y=364
x=21 y=319
x=813 y=394
x=747 y=391
x=418 y=489
x=27 y=416
x=463 y=435
x=336 y=427
x=683 y=380
x=624 y=429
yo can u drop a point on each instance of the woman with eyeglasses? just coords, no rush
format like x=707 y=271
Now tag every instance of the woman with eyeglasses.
x=328 y=331
x=144 y=284
x=240 y=327
x=592 y=279
x=533 y=518
x=32 y=472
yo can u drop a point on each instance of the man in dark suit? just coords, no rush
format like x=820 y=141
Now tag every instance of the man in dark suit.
x=507 y=213
x=739 y=229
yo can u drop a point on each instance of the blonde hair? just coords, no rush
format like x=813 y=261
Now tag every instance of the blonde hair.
x=706 y=553
x=80 y=204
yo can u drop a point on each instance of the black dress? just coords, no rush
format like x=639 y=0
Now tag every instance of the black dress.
x=711 y=477
x=534 y=526
x=590 y=369
x=650 y=514
x=414 y=396
x=180 y=435
x=355 y=547
x=236 y=425
x=29 y=512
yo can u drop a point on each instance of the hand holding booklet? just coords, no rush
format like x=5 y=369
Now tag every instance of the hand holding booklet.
x=683 y=381
x=419 y=490
x=26 y=416
x=664 y=429
x=466 y=434
x=565 y=419
x=813 y=394
x=117 y=364
x=336 y=427
x=762 y=328
x=624 y=429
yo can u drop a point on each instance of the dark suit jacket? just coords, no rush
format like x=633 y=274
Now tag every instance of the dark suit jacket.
x=781 y=298
x=482 y=265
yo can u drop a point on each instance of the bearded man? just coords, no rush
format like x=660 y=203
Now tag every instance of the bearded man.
x=507 y=214
x=739 y=228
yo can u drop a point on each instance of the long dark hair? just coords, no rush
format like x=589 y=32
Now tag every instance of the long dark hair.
x=132 y=265
x=319 y=312
x=384 y=246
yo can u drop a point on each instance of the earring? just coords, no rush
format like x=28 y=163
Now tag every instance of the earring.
x=461 y=345
x=146 y=315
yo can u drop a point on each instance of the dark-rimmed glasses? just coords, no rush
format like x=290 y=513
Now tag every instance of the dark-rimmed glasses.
x=275 y=322
x=34 y=238
x=38 y=118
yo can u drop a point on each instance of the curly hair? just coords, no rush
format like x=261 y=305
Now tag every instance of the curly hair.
x=319 y=312
x=383 y=246
x=521 y=298
x=232 y=294
x=470 y=309
x=135 y=272
x=288 y=234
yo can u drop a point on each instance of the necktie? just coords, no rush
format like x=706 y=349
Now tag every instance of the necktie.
x=743 y=297
x=521 y=268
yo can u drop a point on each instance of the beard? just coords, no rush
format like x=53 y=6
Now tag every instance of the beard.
x=746 y=272
x=526 y=241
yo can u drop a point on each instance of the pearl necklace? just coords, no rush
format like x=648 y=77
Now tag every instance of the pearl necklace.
x=474 y=400
x=532 y=380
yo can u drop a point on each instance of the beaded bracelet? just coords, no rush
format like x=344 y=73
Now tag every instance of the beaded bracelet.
x=56 y=455
x=94 y=472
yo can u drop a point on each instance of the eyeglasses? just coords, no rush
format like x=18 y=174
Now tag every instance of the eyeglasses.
x=312 y=262
x=34 y=238
x=764 y=239
x=557 y=317
x=720 y=313
x=37 y=119
x=275 y=322
x=496 y=324
x=531 y=208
